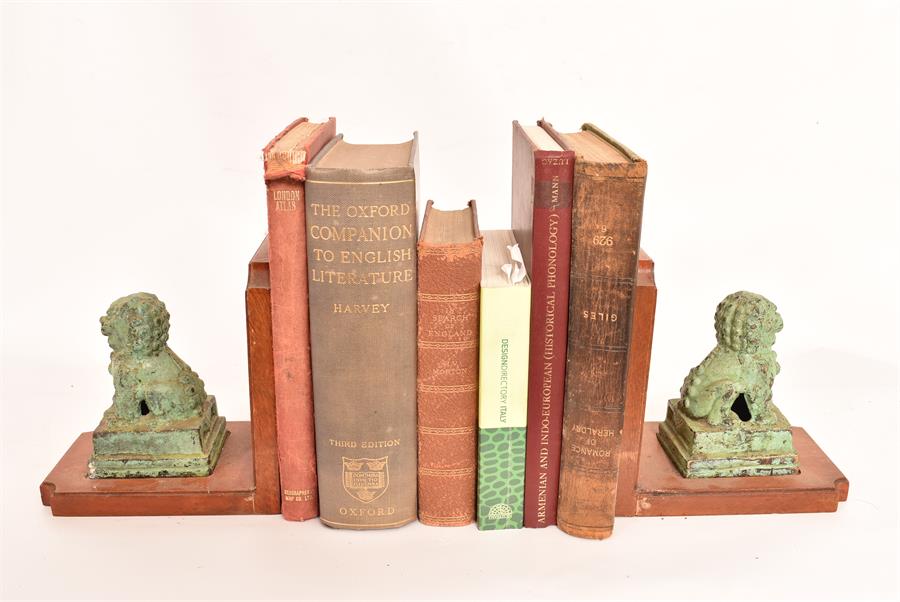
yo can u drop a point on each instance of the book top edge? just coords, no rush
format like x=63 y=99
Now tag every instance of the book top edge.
x=343 y=155
x=450 y=227
x=287 y=155
x=593 y=145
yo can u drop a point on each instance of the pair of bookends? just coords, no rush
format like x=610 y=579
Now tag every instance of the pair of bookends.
x=161 y=423
x=725 y=424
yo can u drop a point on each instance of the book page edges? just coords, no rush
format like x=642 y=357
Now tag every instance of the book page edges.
x=312 y=145
x=434 y=239
x=590 y=127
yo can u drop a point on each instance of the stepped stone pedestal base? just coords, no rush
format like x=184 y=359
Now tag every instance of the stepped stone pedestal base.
x=230 y=489
x=185 y=448
x=745 y=449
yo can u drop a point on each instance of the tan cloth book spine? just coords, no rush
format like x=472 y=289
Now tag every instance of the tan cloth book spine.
x=361 y=237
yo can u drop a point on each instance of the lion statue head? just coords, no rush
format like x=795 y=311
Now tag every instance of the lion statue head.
x=735 y=380
x=747 y=322
x=136 y=325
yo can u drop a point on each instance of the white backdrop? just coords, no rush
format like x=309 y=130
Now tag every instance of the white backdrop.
x=131 y=139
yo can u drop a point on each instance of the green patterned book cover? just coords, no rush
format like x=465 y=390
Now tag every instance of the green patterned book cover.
x=502 y=383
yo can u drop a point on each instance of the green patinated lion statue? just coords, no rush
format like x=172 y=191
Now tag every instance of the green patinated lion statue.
x=150 y=379
x=161 y=423
x=735 y=380
x=725 y=423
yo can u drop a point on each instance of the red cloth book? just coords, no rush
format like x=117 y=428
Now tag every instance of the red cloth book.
x=542 y=221
x=286 y=158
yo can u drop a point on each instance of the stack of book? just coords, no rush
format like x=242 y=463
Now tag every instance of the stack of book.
x=449 y=374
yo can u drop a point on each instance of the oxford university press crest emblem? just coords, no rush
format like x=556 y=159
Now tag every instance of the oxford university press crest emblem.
x=365 y=479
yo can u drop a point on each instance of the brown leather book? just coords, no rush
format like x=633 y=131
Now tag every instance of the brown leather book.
x=258 y=305
x=361 y=248
x=607 y=209
x=286 y=158
x=542 y=222
x=449 y=252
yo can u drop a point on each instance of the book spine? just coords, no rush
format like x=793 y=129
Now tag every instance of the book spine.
x=606 y=227
x=258 y=305
x=447 y=382
x=290 y=341
x=362 y=290
x=502 y=406
x=551 y=243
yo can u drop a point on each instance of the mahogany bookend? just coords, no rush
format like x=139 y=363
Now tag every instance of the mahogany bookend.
x=260 y=363
x=245 y=480
x=228 y=490
x=638 y=372
x=650 y=485
x=662 y=491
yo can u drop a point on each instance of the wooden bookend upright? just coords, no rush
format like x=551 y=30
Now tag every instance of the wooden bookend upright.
x=650 y=485
x=636 y=389
x=258 y=305
x=245 y=480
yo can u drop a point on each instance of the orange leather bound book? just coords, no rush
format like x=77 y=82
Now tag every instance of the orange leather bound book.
x=449 y=255
x=607 y=208
x=285 y=159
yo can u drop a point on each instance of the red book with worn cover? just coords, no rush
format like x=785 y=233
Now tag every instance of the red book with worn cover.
x=285 y=159
x=542 y=222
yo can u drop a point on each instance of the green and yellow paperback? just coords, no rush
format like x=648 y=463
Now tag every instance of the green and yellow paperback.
x=502 y=383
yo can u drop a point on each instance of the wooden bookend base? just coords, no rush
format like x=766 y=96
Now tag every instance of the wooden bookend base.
x=662 y=491
x=245 y=480
x=650 y=485
x=229 y=490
